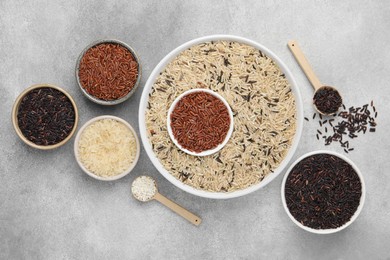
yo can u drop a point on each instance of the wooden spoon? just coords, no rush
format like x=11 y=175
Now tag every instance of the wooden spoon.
x=151 y=193
x=315 y=82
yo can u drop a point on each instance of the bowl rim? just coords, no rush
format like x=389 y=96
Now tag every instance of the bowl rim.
x=91 y=174
x=144 y=102
x=354 y=216
x=15 y=110
x=228 y=134
x=95 y=99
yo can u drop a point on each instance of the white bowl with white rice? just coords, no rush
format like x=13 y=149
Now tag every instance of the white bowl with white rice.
x=267 y=109
x=107 y=148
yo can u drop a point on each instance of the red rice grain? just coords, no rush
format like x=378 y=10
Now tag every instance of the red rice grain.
x=200 y=121
x=108 y=71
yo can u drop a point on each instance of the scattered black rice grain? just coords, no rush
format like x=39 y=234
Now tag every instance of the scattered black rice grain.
x=347 y=123
x=307 y=119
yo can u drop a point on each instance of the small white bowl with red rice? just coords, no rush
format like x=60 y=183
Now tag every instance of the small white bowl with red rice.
x=210 y=132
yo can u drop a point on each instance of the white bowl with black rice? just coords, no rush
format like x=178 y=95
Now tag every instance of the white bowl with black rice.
x=323 y=192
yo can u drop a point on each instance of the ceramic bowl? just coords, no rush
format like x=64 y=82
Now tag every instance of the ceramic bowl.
x=206 y=152
x=101 y=101
x=15 y=110
x=144 y=104
x=332 y=230
x=112 y=178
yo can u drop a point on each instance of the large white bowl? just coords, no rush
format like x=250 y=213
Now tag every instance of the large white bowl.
x=144 y=101
x=330 y=230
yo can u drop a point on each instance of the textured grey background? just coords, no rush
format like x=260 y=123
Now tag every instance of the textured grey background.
x=50 y=209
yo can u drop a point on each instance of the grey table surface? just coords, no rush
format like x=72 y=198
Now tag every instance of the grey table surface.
x=50 y=209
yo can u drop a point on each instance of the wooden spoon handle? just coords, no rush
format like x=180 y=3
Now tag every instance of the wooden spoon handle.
x=178 y=209
x=300 y=57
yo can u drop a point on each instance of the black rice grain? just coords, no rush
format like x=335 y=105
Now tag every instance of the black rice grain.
x=323 y=191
